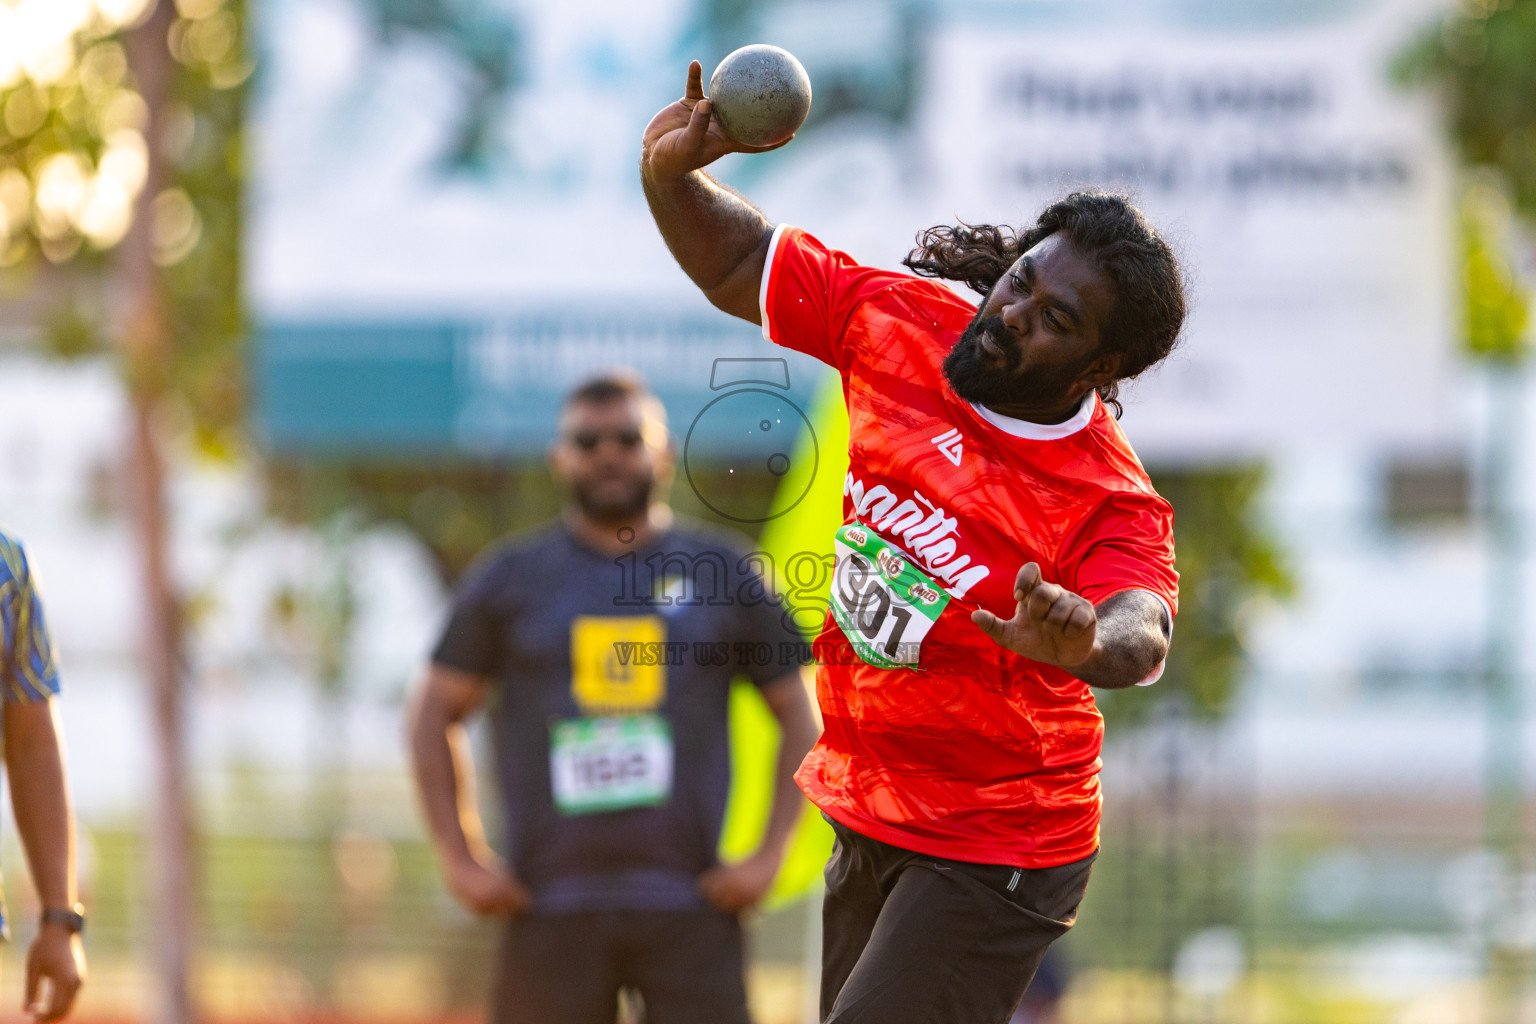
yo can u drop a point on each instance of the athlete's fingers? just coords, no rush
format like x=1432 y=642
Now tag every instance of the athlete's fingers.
x=698 y=126
x=1062 y=610
x=719 y=886
x=1027 y=579
x=63 y=994
x=515 y=897
x=764 y=149
x=989 y=624
x=33 y=985
x=1082 y=618
x=1041 y=599
x=695 y=89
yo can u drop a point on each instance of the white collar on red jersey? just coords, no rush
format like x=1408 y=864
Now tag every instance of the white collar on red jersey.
x=1042 y=431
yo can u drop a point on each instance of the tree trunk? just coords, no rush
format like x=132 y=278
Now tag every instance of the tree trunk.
x=147 y=358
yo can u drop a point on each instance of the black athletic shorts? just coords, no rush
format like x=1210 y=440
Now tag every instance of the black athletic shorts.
x=568 y=968
x=913 y=939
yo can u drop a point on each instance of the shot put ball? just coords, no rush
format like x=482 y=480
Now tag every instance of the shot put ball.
x=760 y=95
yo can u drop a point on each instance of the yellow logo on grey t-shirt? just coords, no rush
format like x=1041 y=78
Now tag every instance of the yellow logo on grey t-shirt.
x=614 y=665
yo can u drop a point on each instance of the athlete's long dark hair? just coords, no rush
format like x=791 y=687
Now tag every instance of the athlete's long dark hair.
x=1107 y=228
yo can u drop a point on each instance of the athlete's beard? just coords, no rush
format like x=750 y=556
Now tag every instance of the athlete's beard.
x=978 y=377
x=628 y=505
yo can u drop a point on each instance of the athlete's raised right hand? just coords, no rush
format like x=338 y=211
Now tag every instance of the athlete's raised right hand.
x=487 y=889
x=683 y=136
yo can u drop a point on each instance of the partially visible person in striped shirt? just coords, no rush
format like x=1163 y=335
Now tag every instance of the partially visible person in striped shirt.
x=34 y=761
x=26 y=650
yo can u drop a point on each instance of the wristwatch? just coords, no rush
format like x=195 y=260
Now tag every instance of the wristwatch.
x=72 y=919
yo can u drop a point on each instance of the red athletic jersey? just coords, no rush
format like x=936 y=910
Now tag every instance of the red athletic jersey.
x=978 y=754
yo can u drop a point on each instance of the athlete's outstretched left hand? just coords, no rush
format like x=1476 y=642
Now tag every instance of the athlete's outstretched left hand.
x=1051 y=624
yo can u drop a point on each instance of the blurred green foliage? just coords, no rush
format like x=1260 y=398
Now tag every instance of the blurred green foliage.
x=205 y=146
x=70 y=333
x=456 y=509
x=1496 y=307
x=71 y=140
x=1481 y=57
x=1230 y=570
x=73 y=158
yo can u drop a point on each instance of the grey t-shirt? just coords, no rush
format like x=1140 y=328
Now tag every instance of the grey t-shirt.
x=581 y=645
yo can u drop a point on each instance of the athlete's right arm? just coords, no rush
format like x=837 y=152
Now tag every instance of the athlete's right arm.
x=717 y=237
x=444 y=772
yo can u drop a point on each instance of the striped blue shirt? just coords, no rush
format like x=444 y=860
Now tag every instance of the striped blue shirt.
x=29 y=670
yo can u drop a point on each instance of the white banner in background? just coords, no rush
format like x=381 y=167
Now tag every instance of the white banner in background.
x=1310 y=199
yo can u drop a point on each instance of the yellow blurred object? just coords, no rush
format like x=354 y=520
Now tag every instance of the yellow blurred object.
x=1497 y=308
x=808 y=527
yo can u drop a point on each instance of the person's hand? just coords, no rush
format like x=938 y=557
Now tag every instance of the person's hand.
x=55 y=972
x=740 y=886
x=683 y=136
x=487 y=889
x=1050 y=625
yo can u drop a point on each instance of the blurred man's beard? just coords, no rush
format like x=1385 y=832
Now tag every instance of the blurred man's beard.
x=983 y=379
x=605 y=509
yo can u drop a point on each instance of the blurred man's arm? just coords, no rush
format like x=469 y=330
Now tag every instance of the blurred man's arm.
x=717 y=237
x=445 y=779
x=734 y=887
x=34 y=761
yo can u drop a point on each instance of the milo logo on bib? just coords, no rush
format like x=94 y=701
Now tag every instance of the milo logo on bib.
x=884 y=604
x=925 y=594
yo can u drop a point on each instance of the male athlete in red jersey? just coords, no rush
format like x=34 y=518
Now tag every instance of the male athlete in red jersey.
x=1002 y=551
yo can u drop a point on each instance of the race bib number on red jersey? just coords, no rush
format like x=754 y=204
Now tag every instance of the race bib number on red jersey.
x=884 y=604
